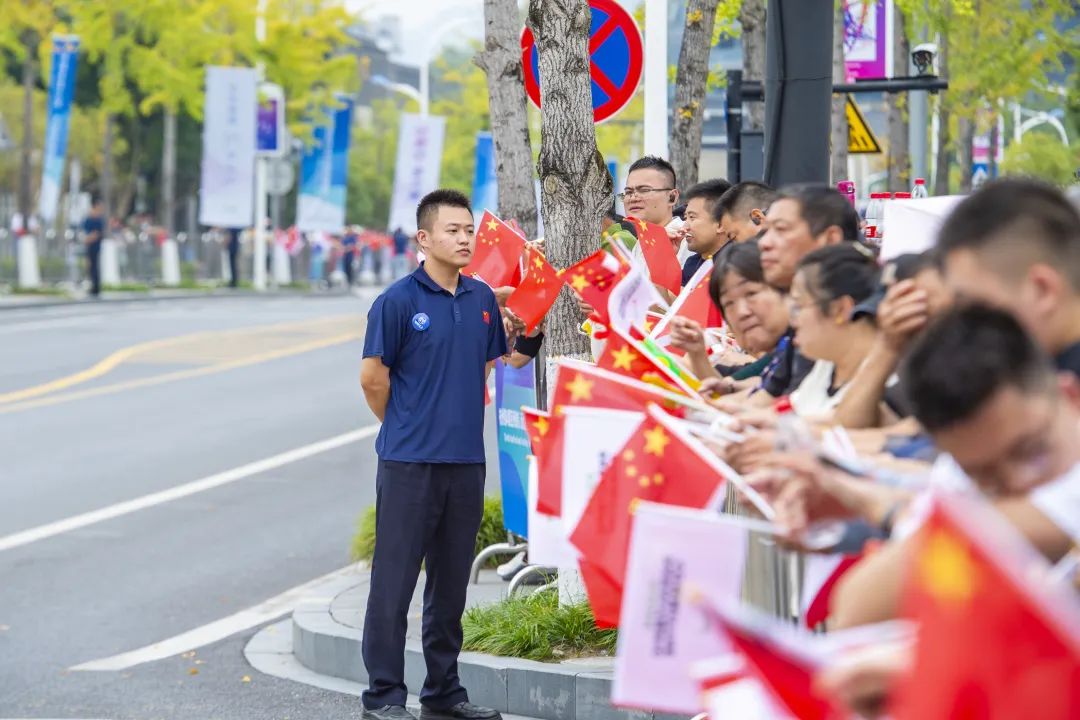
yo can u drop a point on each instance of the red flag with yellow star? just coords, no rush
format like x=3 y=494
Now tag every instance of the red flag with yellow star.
x=664 y=268
x=538 y=425
x=998 y=638
x=537 y=292
x=587 y=385
x=605 y=597
x=693 y=303
x=549 y=461
x=594 y=278
x=660 y=463
x=498 y=252
x=626 y=355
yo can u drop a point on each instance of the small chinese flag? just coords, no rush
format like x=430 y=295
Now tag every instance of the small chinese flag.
x=498 y=252
x=664 y=269
x=695 y=304
x=537 y=292
x=605 y=597
x=788 y=674
x=586 y=385
x=997 y=639
x=627 y=356
x=549 y=462
x=660 y=464
x=538 y=425
x=594 y=278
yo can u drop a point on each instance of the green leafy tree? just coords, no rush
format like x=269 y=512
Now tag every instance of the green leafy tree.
x=1040 y=154
x=372 y=155
x=997 y=50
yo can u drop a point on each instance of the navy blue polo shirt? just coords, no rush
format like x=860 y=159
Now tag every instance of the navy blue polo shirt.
x=437 y=347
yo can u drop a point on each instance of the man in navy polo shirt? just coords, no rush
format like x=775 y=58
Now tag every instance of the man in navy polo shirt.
x=432 y=338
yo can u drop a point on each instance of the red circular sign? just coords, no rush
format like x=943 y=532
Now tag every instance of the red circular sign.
x=616 y=54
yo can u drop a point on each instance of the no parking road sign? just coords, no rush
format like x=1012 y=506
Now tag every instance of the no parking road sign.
x=616 y=54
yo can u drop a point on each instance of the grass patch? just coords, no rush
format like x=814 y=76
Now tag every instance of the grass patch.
x=49 y=291
x=535 y=627
x=127 y=287
x=491 y=531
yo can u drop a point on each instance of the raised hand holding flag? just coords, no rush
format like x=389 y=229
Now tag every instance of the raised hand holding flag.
x=537 y=292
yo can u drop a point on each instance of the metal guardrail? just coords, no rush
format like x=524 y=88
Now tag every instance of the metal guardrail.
x=203 y=259
x=772 y=576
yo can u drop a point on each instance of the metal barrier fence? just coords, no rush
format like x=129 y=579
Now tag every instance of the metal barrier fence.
x=203 y=260
x=773 y=576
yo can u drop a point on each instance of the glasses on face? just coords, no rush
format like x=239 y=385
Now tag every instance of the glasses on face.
x=640 y=191
x=796 y=308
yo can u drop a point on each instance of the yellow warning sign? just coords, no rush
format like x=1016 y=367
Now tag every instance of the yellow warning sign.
x=860 y=137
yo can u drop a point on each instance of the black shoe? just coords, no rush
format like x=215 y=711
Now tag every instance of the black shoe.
x=388 y=712
x=461 y=711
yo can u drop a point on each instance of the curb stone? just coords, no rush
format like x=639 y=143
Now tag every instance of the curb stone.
x=552 y=691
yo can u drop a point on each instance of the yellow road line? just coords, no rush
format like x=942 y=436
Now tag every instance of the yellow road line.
x=183 y=374
x=112 y=361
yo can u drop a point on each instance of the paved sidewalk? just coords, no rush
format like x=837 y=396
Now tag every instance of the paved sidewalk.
x=326 y=640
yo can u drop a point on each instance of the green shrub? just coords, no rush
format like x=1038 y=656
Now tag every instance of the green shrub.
x=536 y=627
x=491 y=531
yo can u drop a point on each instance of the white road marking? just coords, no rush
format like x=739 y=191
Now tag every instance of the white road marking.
x=41 y=532
x=220 y=629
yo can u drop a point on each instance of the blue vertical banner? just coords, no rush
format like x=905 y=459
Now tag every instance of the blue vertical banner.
x=324 y=174
x=514 y=388
x=339 y=160
x=485 y=189
x=65 y=58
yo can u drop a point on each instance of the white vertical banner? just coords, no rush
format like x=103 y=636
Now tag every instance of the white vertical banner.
x=419 y=155
x=227 y=187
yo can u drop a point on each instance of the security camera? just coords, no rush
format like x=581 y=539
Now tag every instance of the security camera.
x=925 y=59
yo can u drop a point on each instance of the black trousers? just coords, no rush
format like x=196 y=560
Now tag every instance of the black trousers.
x=347 y=266
x=93 y=262
x=234 y=266
x=430 y=513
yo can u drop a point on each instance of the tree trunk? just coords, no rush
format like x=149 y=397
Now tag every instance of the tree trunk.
x=168 y=174
x=684 y=145
x=501 y=62
x=839 y=140
x=26 y=169
x=752 y=20
x=107 y=169
x=941 y=182
x=965 y=130
x=899 y=119
x=575 y=185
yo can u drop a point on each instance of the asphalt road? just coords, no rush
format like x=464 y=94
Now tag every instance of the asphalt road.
x=224 y=383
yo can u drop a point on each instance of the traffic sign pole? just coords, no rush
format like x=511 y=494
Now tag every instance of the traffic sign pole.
x=656 y=81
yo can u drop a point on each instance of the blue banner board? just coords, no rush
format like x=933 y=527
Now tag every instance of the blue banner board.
x=485 y=189
x=65 y=57
x=514 y=388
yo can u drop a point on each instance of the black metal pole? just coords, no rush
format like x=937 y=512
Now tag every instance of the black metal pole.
x=798 y=90
x=752 y=90
x=734 y=126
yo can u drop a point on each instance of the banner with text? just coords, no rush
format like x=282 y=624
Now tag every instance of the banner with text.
x=419 y=155
x=65 y=57
x=514 y=388
x=324 y=174
x=227 y=186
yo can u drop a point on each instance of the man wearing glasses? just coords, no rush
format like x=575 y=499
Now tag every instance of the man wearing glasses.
x=650 y=195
